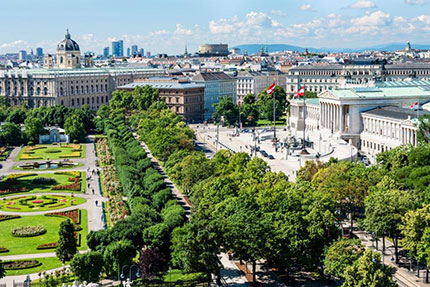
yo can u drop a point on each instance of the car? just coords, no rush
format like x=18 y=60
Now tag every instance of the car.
x=270 y=156
x=365 y=161
x=264 y=153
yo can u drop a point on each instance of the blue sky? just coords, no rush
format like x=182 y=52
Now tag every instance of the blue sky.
x=165 y=26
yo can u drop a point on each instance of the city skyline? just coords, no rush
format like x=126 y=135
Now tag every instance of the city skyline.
x=303 y=23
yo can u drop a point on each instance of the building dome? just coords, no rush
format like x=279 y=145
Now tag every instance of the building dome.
x=68 y=44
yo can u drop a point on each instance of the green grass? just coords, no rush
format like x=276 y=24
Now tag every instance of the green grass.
x=48 y=263
x=28 y=245
x=13 y=204
x=15 y=167
x=26 y=182
x=43 y=153
x=261 y=123
x=173 y=275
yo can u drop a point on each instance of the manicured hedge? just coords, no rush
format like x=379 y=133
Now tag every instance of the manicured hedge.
x=3 y=249
x=7 y=217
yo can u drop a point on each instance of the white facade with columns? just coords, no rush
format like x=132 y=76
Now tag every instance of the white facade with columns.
x=353 y=114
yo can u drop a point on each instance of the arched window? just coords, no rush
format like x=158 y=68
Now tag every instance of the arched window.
x=77 y=60
x=82 y=89
x=62 y=102
x=107 y=99
x=88 y=101
x=45 y=91
x=92 y=89
x=61 y=60
x=73 y=102
x=92 y=100
x=61 y=91
x=101 y=99
x=71 y=90
x=97 y=88
x=77 y=101
x=88 y=90
x=97 y=100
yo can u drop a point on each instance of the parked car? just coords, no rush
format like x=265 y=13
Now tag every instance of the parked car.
x=264 y=153
x=270 y=156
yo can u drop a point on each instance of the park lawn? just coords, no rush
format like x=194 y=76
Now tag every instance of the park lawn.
x=58 y=202
x=48 y=263
x=79 y=164
x=62 y=179
x=59 y=152
x=28 y=245
x=261 y=123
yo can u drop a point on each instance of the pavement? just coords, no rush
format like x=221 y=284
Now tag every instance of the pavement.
x=289 y=164
x=93 y=204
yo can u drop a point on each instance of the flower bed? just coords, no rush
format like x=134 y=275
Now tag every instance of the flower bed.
x=73 y=154
x=29 y=157
x=31 y=148
x=13 y=190
x=74 y=146
x=28 y=231
x=47 y=246
x=37 y=201
x=20 y=264
x=7 y=217
x=76 y=186
x=3 y=249
x=74 y=215
x=53 y=151
x=71 y=173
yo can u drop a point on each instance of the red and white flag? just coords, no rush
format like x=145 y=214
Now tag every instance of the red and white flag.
x=413 y=105
x=300 y=93
x=271 y=89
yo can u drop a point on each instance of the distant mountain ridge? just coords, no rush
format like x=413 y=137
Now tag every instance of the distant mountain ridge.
x=391 y=47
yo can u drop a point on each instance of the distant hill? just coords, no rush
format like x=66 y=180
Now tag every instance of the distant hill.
x=255 y=48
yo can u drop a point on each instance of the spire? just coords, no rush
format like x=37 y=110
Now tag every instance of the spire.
x=186 y=50
x=67 y=34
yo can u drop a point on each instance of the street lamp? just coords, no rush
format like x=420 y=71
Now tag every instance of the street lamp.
x=130 y=268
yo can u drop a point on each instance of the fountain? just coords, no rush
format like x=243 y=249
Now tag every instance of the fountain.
x=48 y=164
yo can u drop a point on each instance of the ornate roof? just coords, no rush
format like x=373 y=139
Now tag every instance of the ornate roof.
x=68 y=44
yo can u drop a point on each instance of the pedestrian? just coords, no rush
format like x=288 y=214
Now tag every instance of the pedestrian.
x=93 y=190
x=96 y=202
x=88 y=185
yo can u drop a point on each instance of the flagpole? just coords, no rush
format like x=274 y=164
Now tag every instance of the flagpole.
x=304 y=120
x=274 y=113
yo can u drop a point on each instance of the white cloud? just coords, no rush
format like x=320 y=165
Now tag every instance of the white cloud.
x=372 y=23
x=159 y=33
x=278 y=13
x=425 y=19
x=306 y=7
x=222 y=26
x=14 y=44
x=416 y=2
x=362 y=4
x=180 y=30
x=87 y=37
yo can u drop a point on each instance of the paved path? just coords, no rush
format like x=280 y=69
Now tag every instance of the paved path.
x=95 y=211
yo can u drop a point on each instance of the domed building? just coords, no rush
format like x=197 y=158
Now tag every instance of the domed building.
x=68 y=53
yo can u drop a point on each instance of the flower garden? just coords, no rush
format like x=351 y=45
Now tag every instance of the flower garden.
x=39 y=233
x=30 y=203
x=43 y=152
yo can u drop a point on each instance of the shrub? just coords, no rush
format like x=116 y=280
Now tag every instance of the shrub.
x=19 y=175
x=44 y=180
x=20 y=264
x=28 y=231
x=73 y=154
x=76 y=186
x=30 y=143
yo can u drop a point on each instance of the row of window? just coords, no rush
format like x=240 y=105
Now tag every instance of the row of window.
x=94 y=100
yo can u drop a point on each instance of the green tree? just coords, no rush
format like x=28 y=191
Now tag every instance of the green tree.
x=423 y=133
x=307 y=172
x=342 y=254
x=192 y=169
x=75 y=128
x=423 y=250
x=144 y=97
x=33 y=128
x=368 y=271
x=120 y=252
x=87 y=266
x=16 y=115
x=67 y=246
x=266 y=108
x=11 y=134
x=227 y=109
x=195 y=247
x=384 y=211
